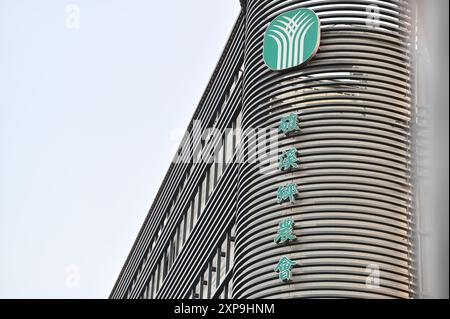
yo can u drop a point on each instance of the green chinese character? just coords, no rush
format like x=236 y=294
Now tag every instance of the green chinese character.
x=285 y=231
x=289 y=124
x=288 y=160
x=287 y=192
x=284 y=269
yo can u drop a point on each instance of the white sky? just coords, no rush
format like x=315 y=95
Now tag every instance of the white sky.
x=88 y=125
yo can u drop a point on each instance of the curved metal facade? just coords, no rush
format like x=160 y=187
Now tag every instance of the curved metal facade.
x=353 y=211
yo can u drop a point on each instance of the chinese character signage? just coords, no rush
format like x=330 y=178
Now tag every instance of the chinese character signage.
x=288 y=160
x=285 y=231
x=287 y=192
x=289 y=124
x=284 y=269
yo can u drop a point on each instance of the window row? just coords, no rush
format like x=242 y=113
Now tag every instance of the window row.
x=188 y=219
x=230 y=140
x=215 y=279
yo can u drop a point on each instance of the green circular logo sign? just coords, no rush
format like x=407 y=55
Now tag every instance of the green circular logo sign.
x=292 y=39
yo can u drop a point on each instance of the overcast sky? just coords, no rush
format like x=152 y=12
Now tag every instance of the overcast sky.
x=94 y=98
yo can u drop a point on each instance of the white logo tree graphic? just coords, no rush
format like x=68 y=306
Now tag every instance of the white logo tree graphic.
x=290 y=35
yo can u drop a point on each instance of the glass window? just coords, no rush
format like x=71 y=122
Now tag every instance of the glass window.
x=143 y=295
x=159 y=231
x=188 y=220
x=214 y=269
x=206 y=184
x=210 y=282
x=219 y=161
x=238 y=128
x=224 y=104
x=230 y=290
x=229 y=148
x=196 y=206
x=154 y=284
x=182 y=234
x=204 y=292
x=225 y=291
x=212 y=181
x=156 y=280
x=198 y=153
x=223 y=259
x=227 y=254
x=233 y=231
x=231 y=249
x=203 y=192
x=151 y=286
x=167 y=260
x=171 y=253
x=197 y=290
x=186 y=177
x=185 y=232
x=175 y=244
x=161 y=272
x=233 y=86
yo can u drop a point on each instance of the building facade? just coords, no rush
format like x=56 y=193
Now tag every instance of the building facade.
x=294 y=183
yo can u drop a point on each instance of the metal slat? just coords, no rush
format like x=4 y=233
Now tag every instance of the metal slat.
x=354 y=203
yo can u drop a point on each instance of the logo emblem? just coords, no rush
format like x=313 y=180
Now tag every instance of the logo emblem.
x=292 y=39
